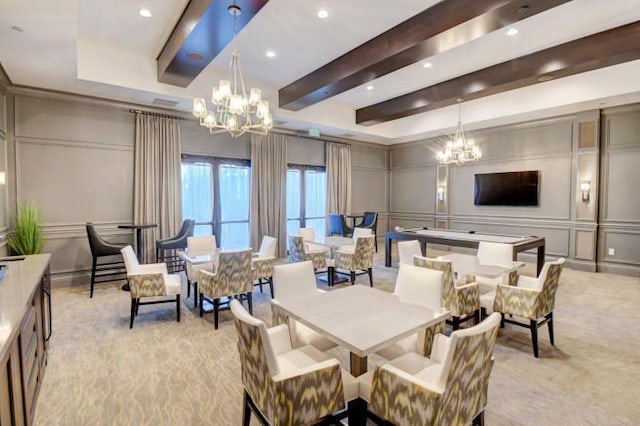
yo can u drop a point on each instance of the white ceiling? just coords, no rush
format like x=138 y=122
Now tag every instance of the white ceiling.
x=107 y=49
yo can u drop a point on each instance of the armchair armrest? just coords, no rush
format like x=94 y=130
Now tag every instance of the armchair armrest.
x=153 y=268
x=263 y=267
x=147 y=284
x=515 y=301
x=440 y=348
x=280 y=338
x=278 y=316
x=467 y=299
x=528 y=282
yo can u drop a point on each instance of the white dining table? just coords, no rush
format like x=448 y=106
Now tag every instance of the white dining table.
x=333 y=243
x=468 y=264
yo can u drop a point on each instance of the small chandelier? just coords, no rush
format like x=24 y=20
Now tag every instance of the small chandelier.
x=233 y=111
x=459 y=150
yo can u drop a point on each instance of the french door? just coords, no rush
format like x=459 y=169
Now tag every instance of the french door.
x=306 y=198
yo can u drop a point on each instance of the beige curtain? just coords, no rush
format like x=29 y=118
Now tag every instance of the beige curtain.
x=157 y=182
x=268 y=190
x=338 y=178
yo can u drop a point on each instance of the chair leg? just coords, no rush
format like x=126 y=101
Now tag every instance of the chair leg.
x=250 y=302
x=195 y=294
x=178 y=306
x=534 y=336
x=188 y=288
x=375 y=241
x=478 y=316
x=353 y=277
x=271 y=286
x=455 y=323
x=137 y=305
x=550 y=325
x=260 y=283
x=201 y=305
x=501 y=320
x=479 y=419
x=93 y=275
x=246 y=410
x=216 y=305
x=133 y=312
x=370 y=272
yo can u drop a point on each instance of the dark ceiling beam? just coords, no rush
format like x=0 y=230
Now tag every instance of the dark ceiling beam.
x=445 y=25
x=203 y=30
x=611 y=47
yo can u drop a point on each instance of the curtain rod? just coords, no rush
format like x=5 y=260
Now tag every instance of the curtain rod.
x=155 y=114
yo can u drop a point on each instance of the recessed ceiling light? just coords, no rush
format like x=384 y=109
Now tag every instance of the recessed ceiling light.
x=427 y=65
x=370 y=87
x=17 y=28
x=271 y=54
x=322 y=14
x=512 y=31
x=145 y=13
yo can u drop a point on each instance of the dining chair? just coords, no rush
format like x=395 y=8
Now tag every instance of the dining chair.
x=232 y=279
x=309 y=235
x=299 y=253
x=370 y=220
x=462 y=300
x=490 y=253
x=290 y=281
x=356 y=262
x=530 y=298
x=335 y=224
x=112 y=270
x=284 y=384
x=263 y=262
x=408 y=249
x=176 y=242
x=199 y=246
x=149 y=280
x=423 y=287
x=347 y=231
x=449 y=388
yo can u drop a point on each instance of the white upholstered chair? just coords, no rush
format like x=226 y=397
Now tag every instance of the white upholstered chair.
x=263 y=262
x=149 y=280
x=290 y=281
x=449 y=388
x=285 y=384
x=309 y=235
x=490 y=253
x=530 y=298
x=199 y=246
x=419 y=286
x=408 y=249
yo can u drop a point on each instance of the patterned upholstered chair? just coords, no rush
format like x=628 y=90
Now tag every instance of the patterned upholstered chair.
x=463 y=301
x=419 y=286
x=370 y=221
x=450 y=388
x=299 y=253
x=283 y=385
x=494 y=254
x=408 y=249
x=233 y=278
x=309 y=235
x=531 y=298
x=357 y=261
x=291 y=281
x=263 y=262
x=357 y=232
x=199 y=246
x=150 y=280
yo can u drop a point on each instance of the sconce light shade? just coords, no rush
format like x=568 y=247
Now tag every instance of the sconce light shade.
x=3 y=178
x=441 y=193
x=585 y=187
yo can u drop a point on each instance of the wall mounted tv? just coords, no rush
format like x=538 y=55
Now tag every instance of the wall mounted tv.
x=506 y=189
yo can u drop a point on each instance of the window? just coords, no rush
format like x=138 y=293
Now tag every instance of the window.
x=306 y=198
x=216 y=194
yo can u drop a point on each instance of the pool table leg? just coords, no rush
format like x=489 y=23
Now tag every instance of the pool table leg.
x=387 y=252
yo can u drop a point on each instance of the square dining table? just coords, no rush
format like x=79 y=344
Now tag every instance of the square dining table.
x=469 y=264
x=333 y=243
x=362 y=320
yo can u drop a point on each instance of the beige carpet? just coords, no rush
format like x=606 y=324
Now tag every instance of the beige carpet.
x=167 y=373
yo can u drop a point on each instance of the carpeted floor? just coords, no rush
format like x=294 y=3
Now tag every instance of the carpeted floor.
x=167 y=373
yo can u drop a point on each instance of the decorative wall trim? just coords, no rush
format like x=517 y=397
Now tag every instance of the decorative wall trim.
x=619 y=269
x=28 y=140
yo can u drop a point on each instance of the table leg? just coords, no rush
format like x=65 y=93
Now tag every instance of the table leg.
x=540 y=259
x=358 y=407
x=139 y=247
x=387 y=252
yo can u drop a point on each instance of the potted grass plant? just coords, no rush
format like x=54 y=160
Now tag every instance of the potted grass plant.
x=27 y=235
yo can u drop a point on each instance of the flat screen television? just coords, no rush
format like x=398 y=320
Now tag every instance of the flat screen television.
x=506 y=189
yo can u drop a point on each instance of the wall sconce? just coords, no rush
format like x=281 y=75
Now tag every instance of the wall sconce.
x=585 y=187
x=3 y=178
x=441 y=193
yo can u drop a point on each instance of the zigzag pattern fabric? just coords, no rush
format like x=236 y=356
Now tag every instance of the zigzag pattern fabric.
x=295 y=400
x=529 y=303
x=233 y=275
x=278 y=316
x=147 y=285
x=297 y=253
x=361 y=258
x=429 y=336
x=263 y=267
x=403 y=401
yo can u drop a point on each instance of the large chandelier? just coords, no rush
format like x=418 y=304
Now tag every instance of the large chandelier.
x=232 y=110
x=459 y=150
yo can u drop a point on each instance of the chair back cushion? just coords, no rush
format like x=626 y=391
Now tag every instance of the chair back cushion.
x=370 y=220
x=200 y=246
x=550 y=277
x=363 y=253
x=130 y=260
x=465 y=372
x=294 y=280
x=495 y=253
x=448 y=284
x=268 y=247
x=308 y=234
x=420 y=286
x=296 y=248
x=98 y=246
x=361 y=232
x=335 y=224
x=233 y=275
x=407 y=249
